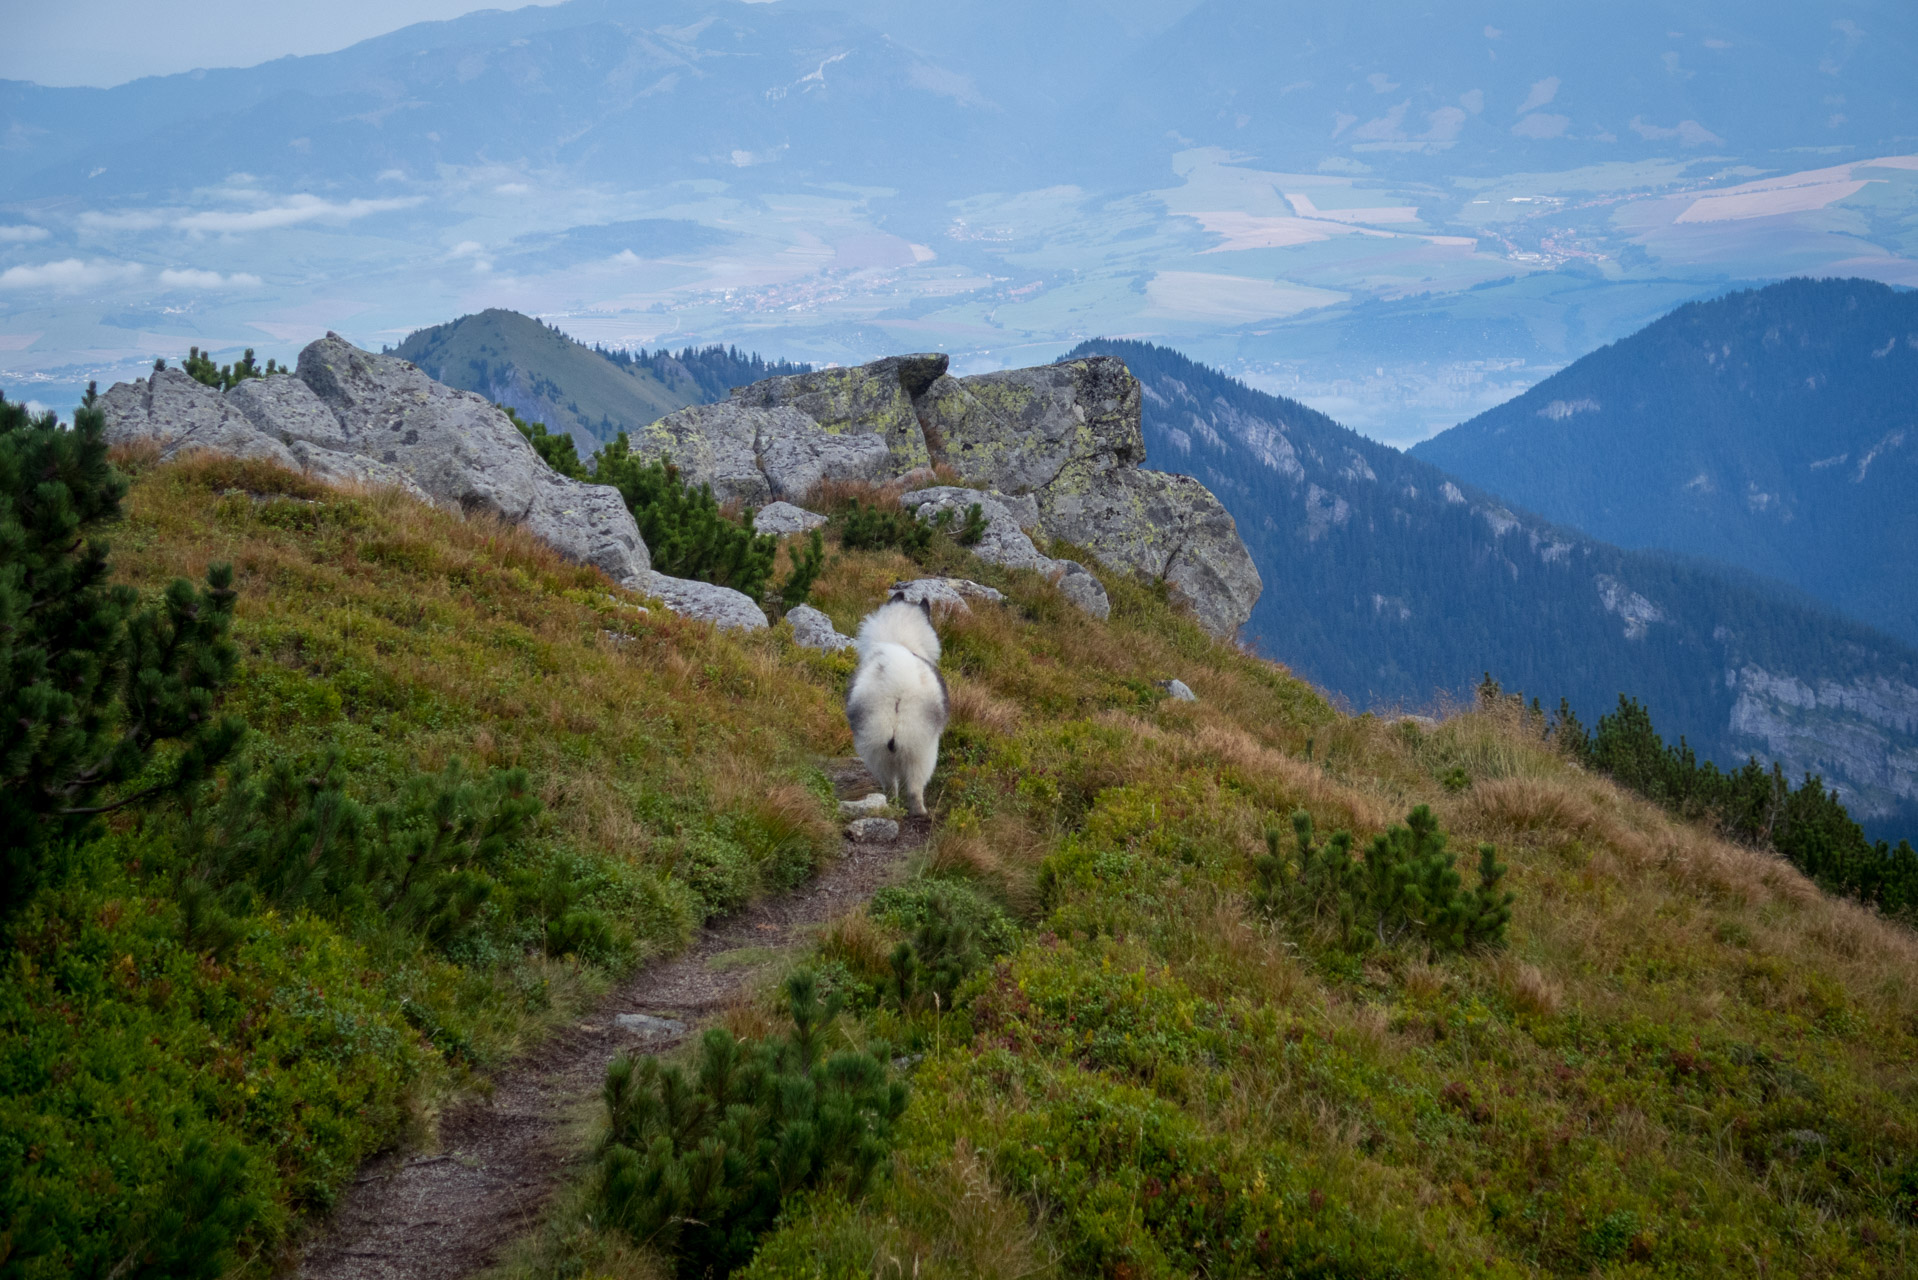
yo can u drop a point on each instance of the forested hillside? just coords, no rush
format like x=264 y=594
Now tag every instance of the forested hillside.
x=1775 y=429
x=1389 y=584
x=586 y=392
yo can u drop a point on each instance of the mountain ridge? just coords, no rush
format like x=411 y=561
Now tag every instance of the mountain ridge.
x=1770 y=428
x=1392 y=584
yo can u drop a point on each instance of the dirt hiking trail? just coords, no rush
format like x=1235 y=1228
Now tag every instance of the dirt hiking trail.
x=450 y=1214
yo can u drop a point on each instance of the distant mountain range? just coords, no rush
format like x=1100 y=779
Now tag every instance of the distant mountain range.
x=590 y=394
x=1775 y=429
x=1388 y=582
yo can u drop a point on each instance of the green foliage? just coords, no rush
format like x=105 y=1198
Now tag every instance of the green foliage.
x=808 y=563
x=867 y=526
x=971 y=528
x=1808 y=824
x=92 y=687
x=224 y=377
x=425 y=863
x=699 y=1166
x=955 y=931
x=684 y=529
x=555 y=450
x=1404 y=886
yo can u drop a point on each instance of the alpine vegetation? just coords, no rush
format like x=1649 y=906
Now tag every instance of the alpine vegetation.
x=897 y=704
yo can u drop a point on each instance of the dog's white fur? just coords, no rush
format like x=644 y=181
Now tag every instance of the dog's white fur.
x=897 y=704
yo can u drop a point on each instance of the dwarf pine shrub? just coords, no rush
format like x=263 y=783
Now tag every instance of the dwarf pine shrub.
x=199 y=366
x=698 y=1165
x=556 y=450
x=687 y=534
x=1405 y=886
x=97 y=695
x=867 y=526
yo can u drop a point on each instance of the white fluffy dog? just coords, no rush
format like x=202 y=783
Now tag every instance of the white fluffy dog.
x=897 y=703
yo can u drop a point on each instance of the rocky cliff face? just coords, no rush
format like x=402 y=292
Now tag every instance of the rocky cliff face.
x=1862 y=732
x=1057 y=448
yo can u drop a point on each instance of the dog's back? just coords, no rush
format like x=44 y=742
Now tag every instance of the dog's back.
x=897 y=704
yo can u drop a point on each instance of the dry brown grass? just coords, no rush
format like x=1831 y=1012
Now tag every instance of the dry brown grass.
x=977 y=706
x=1529 y=990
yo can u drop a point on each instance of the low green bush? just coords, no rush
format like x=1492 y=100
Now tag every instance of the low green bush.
x=555 y=450
x=699 y=1165
x=687 y=534
x=1405 y=886
x=199 y=366
x=867 y=526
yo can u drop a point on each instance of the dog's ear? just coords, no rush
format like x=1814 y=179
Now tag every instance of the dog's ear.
x=925 y=606
x=898 y=597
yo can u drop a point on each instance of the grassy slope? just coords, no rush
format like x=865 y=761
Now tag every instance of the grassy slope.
x=1688 y=1061
x=676 y=770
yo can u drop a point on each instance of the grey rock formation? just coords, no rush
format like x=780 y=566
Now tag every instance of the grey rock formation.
x=872 y=830
x=182 y=416
x=725 y=608
x=868 y=806
x=350 y=415
x=1166 y=527
x=1178 y=690
x=1862 y=736
x=950 y=593
x=756 y=453
x=814 y=630
x=874 y=399
x=1005 y=543
x=464 y=452
x=1058 y=448
x=782 y=519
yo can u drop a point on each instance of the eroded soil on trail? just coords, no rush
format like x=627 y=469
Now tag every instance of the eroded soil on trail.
x=500 y=1159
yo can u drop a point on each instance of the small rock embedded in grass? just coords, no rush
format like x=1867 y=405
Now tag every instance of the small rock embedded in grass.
x=814 y=630
x=1178 y=690
x=951 y=593
x=782 y=518
x=872 y=830
x=871 y=806
x=646 y=1024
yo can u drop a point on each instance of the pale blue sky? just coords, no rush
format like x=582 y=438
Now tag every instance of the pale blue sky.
x=106 y=42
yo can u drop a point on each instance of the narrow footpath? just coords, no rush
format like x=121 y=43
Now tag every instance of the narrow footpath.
x=450 y=1214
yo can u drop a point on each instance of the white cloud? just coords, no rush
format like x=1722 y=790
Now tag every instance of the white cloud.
x=511 y=189
x=21 y=234
x=194 y=278
x=295 y=210
x=132 y=220
x=1380 y=82
x=1542 y=93
x=1473 y=101
x=69 y=273
x=1541 y=125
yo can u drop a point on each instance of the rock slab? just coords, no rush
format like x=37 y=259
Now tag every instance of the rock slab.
x=814 y=630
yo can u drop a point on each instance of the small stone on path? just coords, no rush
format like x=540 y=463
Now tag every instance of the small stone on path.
x=647 y=1025
x=872 y=830
x=870 y=806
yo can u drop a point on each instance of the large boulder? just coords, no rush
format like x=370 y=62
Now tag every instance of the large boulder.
x=755 y=455
x=350 y=415
x=1020 y=430
x=873 y=399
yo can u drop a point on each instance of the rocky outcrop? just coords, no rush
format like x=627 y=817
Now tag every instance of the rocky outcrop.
x=1861 y=735
x=1057 y=450
x=350 y=415
x=1006 y=543
x=947 y=593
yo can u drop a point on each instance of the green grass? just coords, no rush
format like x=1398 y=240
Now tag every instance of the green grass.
x=1687 y=1060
